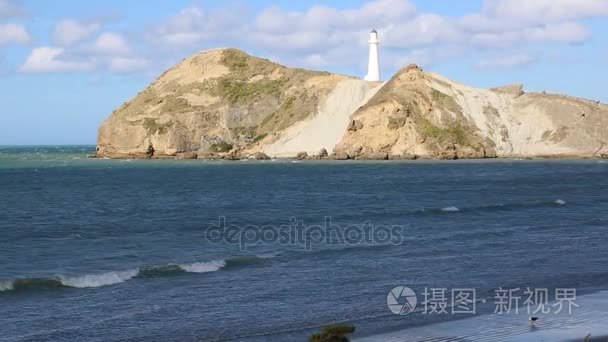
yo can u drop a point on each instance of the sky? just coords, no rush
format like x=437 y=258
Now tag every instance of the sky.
x=65 y=65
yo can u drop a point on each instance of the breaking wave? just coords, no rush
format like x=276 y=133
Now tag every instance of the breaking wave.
x=117 y=277
x=97 y=280
x=204 y=267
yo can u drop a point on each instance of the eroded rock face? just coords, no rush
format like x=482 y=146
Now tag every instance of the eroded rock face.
x=322 y=153
x=512 y=89
x=187 y=155
x=261 y=156
x=340 y=155
x=374 y=156
x=232 y=156
x=355 y=125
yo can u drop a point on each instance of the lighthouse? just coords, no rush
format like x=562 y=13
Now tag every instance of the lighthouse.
x=373 y=68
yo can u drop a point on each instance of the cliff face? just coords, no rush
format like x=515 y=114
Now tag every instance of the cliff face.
x=225 y=103
x=408 y=118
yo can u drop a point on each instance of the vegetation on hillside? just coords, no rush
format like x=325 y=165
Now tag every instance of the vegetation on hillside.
x=221 y=147
x=254 y=80
x=445 y=101
x=455 y=134
x=242 y=92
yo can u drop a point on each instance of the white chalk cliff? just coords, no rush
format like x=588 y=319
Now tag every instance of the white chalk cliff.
x=325 y=128
x=227 y=104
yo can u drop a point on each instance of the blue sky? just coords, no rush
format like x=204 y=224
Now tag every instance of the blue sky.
x=66 y=64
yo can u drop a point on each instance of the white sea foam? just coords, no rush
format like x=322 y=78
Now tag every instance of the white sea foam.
x=268 y=255
x=450 y=209
x=6 y=285
x=203 y=267
x=116 y=277
x=560 y=202
x=97 y=280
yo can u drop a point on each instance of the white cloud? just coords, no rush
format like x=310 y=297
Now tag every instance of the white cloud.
x=111 y=44
x=425 y=56
x=545 y=10
x=9 y=9
x=316 y=60
x=127 y=65
x=566 y=33
x=14 y=34
x=323 y=36
x=77 y=47
x=424 y=29
x=70 y=31
x=52 y=59
x=326 y=19
x=182 y=29
x=507 y=62
x=309 y=36
x=108 y=52
x=193 y=26
x=386 y=9
x=321 y=28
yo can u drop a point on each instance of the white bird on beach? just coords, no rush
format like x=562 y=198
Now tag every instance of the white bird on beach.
x=533 y=320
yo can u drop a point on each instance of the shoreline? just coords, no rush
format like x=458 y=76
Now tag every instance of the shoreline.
x=511 y=327
x=587 y=295
x=333 y=158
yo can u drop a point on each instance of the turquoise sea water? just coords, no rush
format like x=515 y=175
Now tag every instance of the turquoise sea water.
x=120 y=250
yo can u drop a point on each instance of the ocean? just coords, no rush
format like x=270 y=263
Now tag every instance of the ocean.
x=163 y=250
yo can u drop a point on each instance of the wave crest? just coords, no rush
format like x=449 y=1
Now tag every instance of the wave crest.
x=6 y=286
x=116 y=277
x=97 y=280
x=204 y=267
x=490 y=207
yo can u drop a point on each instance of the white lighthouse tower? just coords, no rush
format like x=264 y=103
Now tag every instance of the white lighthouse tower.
x=373 y=68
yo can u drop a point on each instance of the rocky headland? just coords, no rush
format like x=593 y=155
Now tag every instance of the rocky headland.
x=225 y=104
